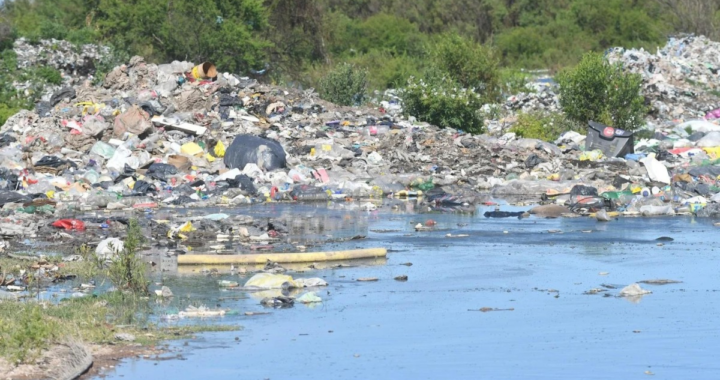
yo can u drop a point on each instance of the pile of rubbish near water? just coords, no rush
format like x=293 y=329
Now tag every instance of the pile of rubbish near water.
x=186 y=135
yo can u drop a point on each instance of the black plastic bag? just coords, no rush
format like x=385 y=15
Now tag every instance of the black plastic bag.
x=58 y=96
x=243 y=182
x=533 y=160
x=50 y=161
x=249 y=149
x=142 y=188
x=582 y=190
x=13 y=197
x=161 y=171
x=6 y=140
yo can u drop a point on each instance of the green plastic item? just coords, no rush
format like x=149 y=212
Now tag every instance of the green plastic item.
x=616 y=194
x=45 y=210
x=27 y=210
x=423 y=185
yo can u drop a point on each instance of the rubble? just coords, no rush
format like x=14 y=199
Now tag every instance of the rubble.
x=679 y=79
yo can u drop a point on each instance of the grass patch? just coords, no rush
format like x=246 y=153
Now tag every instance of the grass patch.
x=29 y=327
x=546 y=126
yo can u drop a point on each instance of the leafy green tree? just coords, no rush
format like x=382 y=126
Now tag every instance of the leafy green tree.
x=225 y=32
x=468 y=63
x=598 y=91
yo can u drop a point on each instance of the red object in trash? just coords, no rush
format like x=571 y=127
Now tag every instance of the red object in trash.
x=70 y=224
x=145 y=205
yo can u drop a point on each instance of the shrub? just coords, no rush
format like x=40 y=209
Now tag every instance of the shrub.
x=25 y=333
x=442 y=102
x=470 y=64
x=82 y=36
x=345 y=85
x=6 y=112
x=49 y=75
x=542 y=126
x=127 y=271
x=596 y=90
x=386 y=70
x=50 y=29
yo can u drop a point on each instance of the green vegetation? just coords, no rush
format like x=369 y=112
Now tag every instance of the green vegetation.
x=598 y=91
x=346 y=85
x=442 y=102
x=28 y=327
x=543 y=126
x=480 y=44
x=128 y=271
x=393 y=38
x=471 y=65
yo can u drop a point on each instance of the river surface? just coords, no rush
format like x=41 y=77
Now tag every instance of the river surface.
x=535 y=271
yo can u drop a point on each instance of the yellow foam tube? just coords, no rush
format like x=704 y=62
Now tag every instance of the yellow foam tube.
x=262 y=258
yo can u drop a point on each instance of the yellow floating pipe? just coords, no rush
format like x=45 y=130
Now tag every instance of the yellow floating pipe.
x=263 y=258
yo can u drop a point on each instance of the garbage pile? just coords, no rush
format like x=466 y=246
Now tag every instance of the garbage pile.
x=541 y=96
x=680 y=80
x=188 y=135
x=62 y=55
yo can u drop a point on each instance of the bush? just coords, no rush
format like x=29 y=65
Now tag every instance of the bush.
x=442 y=102
x=468 y=63
x=49 y=75
x=595 y=90
x=387 y=71
x=345 y=85
x=127 y=271
x=82 y=36
x=50 y=29
x=542 y=126
x=6 y=112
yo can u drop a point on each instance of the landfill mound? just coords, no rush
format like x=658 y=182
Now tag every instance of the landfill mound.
x=183 y=134
x=679 y=80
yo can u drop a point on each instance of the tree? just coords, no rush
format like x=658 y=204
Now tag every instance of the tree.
x=226 y=32
x=695 y=16
x=598 y=91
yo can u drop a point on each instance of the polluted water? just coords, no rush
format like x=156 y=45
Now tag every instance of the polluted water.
x=520 y=304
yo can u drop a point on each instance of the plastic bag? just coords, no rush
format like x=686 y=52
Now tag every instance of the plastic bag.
x=219 y=149
x=269 y=281
x=103 y=150
x=248 y=149
x=109 y=248
x=134 y=120
x=710 y=140
x=161 y=171
x=70 y=224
